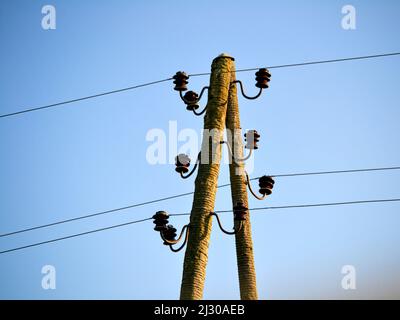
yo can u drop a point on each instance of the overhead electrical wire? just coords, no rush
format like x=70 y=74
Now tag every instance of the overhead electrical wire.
x=283 y=175
x=196 y=75
x=187 y=194
x=307 y=63
x=326 y=204
x=187 y=213
x=94 y=214
x=83 y=98
x=75 y=235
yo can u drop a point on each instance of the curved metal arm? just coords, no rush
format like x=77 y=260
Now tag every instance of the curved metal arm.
x=244 y=95
x=170 y=242
x=184 y=242
x=236 y=159
x=197 y=100
x=223 y=230
x=194 y=168
x=199 y=113
x=251 y=190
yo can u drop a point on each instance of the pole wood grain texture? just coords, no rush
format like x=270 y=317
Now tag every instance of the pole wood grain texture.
x=196 y=255
x=244 y=243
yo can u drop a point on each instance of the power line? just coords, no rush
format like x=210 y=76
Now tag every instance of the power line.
x=327 y=204
x=94 y=214
x=75 y=235
x=84 y=98
x=187 y=194
x=307 y=63
x=308 y=205
x=188 y=213
x=196 y=75
x=283 y=175
x=332 y=172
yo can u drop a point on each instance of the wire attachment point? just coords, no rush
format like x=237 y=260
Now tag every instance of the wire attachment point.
x=191 y=99
x=168 y=232
x=182 y=163
x=251 y=137
x=169 y=237
x=180 y=81
x=266 y=184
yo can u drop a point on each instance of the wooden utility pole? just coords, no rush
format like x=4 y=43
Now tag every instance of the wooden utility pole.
x=244 y=243
x=196 y=255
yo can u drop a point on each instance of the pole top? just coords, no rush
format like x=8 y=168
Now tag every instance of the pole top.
x=225 y=55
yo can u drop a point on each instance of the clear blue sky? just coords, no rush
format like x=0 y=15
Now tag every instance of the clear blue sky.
x=90 y=156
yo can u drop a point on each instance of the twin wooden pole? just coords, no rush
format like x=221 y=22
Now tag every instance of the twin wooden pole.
x=222 y=112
